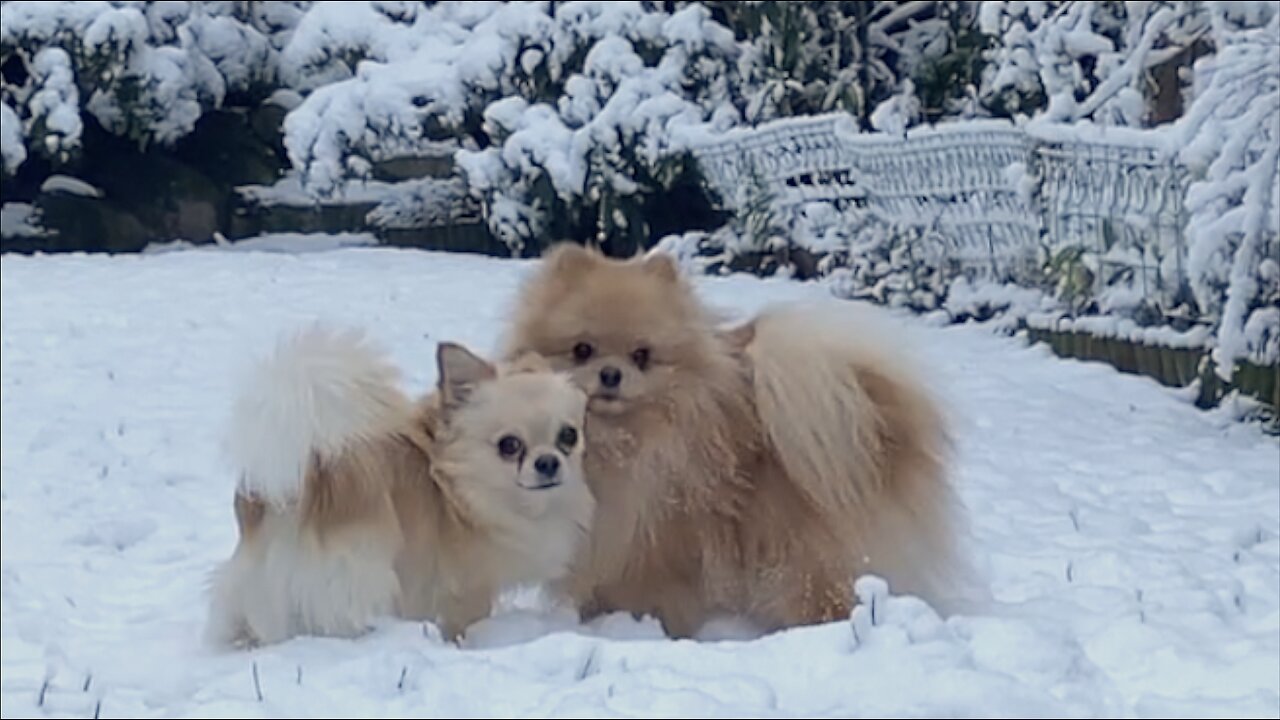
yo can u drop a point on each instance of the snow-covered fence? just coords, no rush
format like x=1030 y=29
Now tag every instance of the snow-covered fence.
x=960 y=182
x=1000 y=200
x=1130 y=228
x=1119 y=199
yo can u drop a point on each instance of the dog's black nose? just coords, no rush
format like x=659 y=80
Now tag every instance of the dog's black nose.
x=610 y=377
x=547 y=465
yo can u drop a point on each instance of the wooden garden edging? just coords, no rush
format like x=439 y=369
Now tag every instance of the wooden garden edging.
x=1171 y=366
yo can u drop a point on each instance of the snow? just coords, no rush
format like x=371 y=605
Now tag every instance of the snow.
x=424 y=202
x=1160 y=141
x=1103 y=326
x=57 y=100
x=12 y=152
x=69 y=185
x=416 y=203
x=19 y=219
x=237 y=51
x=1131 y=542
x=44 y=21
x=329 y=30
x=277 y=243
x=976 y=299
x=895 y=115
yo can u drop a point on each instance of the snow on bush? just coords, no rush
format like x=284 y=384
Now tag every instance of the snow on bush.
x=416 y=203
x=146 y=71
x=1008 y=302
x=562 y=112
x=425 y=202
x=894 y=265
x=870 y=257
x=1079 y=60
x=899 y=112
x=12 y=151
x=20 y=220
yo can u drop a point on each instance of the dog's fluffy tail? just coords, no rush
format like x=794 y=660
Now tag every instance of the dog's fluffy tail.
x=322 y=393
x=308 y=427
x=861 y=437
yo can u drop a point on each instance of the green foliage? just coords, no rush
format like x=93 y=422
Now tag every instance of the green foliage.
x=1071 y=276
x=947 y=85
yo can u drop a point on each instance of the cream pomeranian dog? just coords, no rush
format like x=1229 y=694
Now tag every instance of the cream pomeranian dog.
x=752 y=471
x=356 y=503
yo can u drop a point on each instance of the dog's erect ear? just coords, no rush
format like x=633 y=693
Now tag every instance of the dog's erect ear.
x=661 y=265
x=569 y=257
x=460 y=370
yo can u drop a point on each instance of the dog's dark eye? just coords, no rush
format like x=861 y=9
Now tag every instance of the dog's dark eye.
x=510 y=446
x=567 y=438
x=641 y=357
x=582 y=352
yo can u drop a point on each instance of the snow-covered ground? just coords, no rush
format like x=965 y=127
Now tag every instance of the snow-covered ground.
x=1131 y=542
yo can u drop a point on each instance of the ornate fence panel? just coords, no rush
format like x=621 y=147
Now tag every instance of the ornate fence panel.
x=995 y=194
x=955 y=181
x=1120 y=200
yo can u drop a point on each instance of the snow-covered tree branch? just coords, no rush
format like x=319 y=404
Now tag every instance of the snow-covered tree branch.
x=1083 y=60
x=1231 y=139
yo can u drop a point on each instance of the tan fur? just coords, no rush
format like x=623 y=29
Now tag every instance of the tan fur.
x=423 y=520
x=753 y=471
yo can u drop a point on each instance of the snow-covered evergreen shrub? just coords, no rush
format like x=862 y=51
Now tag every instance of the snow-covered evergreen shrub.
x=566 y=114
x=143 y=70
x=12 y=151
